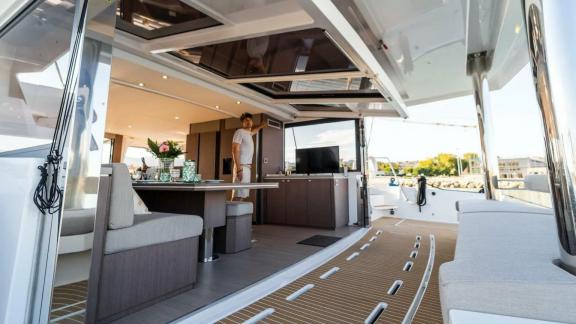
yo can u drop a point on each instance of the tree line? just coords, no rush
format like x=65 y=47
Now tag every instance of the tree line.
x=443 y=164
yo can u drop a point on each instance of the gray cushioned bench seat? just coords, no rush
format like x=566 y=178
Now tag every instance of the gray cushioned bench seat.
x=504 y=264
x=236 y=236
x=153 y=229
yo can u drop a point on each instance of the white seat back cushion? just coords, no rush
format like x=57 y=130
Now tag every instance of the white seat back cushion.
x=121 y=198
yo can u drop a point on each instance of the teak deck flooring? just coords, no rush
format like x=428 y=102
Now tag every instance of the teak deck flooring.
x=361 y=283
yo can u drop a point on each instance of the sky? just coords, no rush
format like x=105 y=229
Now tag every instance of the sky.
x=516 y=122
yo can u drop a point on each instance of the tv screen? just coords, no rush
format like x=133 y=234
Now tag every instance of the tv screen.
x=318 y=160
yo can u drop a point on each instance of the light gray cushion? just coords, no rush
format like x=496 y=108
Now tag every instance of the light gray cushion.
x=537 y=182
x=121 y=199
x=152 y=229
x=495 y=235
x=486 y=206
x=521 y=288
x=78 y=221
x=238 y=208
x=504 y=264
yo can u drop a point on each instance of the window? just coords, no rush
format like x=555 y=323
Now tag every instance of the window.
x=133 y=158
x=341 y=133
x=33 y=79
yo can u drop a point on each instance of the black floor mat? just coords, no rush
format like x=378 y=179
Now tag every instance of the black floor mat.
x=320 y=240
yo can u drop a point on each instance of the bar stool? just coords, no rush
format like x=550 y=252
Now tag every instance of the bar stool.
x=236 y=236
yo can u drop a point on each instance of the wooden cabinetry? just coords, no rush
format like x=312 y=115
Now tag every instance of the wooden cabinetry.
x=275 y=204
x=296 y=201
x=308 y=202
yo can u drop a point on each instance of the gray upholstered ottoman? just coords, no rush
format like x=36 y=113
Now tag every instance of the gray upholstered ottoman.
x=236 y=236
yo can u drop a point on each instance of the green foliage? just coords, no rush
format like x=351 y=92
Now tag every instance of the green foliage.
x=167 y=149
x=383 y=166
x=443 y=164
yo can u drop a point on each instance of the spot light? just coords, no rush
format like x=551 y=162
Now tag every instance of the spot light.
x=165 y=77
x=129 y=126
x=141 y=84
x=517 y=29
x=217 y=107
x=238 y=102
x=176 y=117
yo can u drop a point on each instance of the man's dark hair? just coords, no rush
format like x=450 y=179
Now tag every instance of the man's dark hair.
x=245 y=115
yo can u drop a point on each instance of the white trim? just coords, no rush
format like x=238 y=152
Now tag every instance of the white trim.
x=232 y=303
x=423 y=284
x=299 y=77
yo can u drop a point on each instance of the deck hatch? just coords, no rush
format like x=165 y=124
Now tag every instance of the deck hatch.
x=152 y=19
x=299 y=52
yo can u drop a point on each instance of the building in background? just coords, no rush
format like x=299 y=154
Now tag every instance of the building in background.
x=518 y=168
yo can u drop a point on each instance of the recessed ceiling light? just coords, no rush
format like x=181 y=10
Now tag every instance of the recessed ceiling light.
x=176 y=117
x=217 y=107
x=238 y=102
x=141 y=84
x=517 y=29
x=164 y=77
x=129 y=126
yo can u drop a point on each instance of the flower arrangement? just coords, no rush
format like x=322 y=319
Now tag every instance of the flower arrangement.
x=165 y=150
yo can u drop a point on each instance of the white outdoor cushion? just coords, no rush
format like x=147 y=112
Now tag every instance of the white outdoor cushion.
x=489 y=206
x=521 y=288
x=140 y=207
x=153 y=229
x=508 y=235
x=537 y=182
x=239 y=208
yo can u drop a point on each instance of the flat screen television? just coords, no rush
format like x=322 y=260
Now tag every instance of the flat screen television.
x=318 y=160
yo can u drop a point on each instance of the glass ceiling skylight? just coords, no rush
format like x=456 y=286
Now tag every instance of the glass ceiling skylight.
x=295 y=53
x=151 y=19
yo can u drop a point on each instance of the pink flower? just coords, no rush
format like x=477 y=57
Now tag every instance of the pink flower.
x=164 y=148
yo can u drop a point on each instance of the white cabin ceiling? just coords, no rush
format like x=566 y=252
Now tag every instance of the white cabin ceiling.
x=423 y=54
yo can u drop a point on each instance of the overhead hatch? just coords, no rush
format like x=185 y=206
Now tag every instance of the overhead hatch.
x=151 y=19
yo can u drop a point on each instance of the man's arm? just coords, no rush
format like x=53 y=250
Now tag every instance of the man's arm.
x=256 y=129
x=236 y=159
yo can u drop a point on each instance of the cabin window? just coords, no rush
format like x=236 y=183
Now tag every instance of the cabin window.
x=340 y=133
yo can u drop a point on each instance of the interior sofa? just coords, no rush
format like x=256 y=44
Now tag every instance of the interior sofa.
x=137 y=259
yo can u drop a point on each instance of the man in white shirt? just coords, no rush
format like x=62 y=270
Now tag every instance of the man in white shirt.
x=243 y=152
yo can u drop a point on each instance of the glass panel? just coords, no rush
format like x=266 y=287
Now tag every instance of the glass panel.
x=151 y=19
x=32 y=80
x=298 y=52
x=342 y=87
x=341 y=134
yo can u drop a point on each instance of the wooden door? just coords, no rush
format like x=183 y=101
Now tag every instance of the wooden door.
x=320 y=205
x=275 y=212
x=296 y=202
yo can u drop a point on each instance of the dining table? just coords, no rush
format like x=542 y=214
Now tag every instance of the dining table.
x=205 y=199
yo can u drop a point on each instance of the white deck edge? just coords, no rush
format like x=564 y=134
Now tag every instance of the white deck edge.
x=242 y=298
